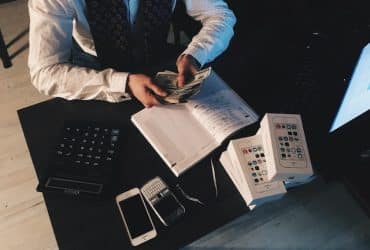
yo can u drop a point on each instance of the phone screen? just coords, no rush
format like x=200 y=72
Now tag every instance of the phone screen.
x=136 y=217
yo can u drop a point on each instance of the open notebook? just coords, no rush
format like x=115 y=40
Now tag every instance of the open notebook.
x=185 y=133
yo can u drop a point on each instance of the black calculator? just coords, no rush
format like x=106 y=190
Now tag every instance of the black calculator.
x=84 y=160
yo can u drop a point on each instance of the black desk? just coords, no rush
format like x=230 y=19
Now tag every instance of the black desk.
x=267 y=85
x=92 y=224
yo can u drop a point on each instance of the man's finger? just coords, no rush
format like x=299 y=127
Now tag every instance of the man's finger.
x=156 y=89
x=193 y=70
x=150 y=100
x=181 y=80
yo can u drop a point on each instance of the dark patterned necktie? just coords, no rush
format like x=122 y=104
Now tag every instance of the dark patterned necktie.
x=110 y=29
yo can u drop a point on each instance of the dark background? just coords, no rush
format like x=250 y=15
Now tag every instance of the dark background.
x=298 y=57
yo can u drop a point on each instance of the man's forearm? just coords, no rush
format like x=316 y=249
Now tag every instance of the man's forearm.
x=73 y=82
x=217 y=29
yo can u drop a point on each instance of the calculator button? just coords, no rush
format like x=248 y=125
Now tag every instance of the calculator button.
x=67 y=154
x=115 y=131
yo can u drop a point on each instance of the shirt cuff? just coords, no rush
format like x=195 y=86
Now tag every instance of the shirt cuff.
x=197 y=53
x=118 y=85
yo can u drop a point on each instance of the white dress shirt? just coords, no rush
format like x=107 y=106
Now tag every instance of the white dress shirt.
x=53 y=23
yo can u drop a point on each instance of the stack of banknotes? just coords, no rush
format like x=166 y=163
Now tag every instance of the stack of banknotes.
x=167 y=80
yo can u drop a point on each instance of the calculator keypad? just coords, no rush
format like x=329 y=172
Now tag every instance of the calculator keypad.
x=86 y=150
x=289 y=142
x=154 y=190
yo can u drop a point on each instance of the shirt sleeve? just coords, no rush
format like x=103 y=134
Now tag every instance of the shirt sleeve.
x=216 y=32
x=51 y=23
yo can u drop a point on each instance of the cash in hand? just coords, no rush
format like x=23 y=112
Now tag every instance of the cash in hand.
x=167 y=80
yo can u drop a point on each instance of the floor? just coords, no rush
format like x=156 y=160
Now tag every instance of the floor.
x=318 y=215
x=24 y=221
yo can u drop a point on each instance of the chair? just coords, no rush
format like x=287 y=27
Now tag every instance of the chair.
x=4 y=53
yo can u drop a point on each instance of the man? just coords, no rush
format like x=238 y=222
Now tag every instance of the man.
x=122 y=36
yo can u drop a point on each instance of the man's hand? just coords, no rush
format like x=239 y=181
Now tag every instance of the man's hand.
x=142 y=87
x=187 y=66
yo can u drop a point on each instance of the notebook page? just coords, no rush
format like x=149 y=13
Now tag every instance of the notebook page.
x=220 y=110
x=175 y=134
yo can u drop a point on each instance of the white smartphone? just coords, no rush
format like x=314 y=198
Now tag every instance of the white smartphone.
x=135 y=215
